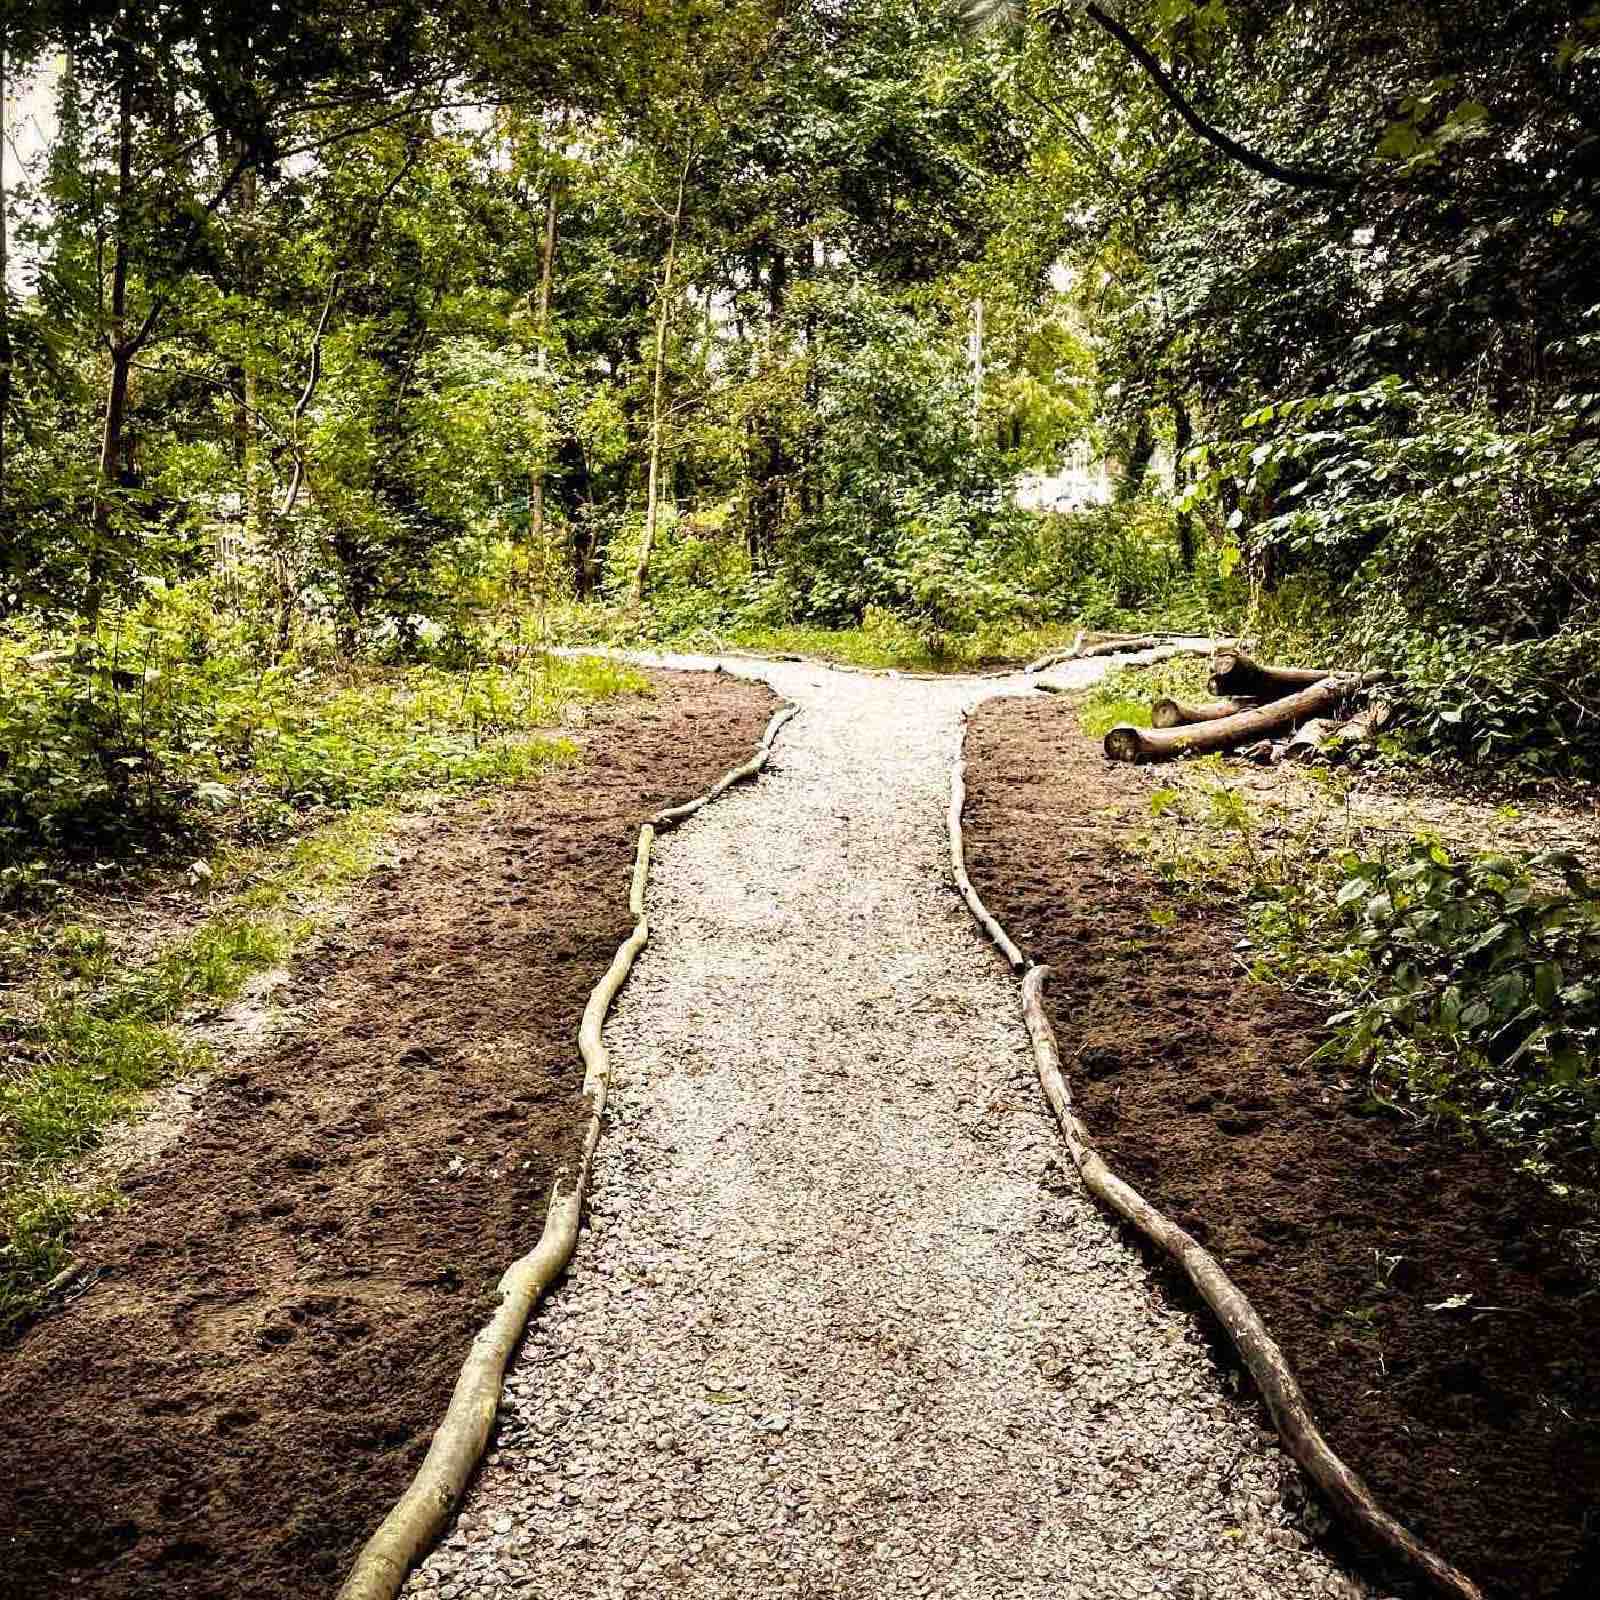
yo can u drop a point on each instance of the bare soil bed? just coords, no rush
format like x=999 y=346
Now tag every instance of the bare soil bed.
x=276 y=1318
x=1479 y=1429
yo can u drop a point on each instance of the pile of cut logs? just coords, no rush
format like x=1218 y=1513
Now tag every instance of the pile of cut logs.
x=1266 y=713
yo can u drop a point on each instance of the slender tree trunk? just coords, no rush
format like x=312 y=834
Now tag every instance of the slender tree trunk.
x=774 y=460
x=121 y=347
x=1144 y=446
x=1182 y=438
x=976 y=347
x=641 y=575
x=299 y=476
x=547 y=270
x=5 y=287
x=810 y=260
x=257 y=498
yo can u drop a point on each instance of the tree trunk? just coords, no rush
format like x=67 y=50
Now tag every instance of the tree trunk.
x=810 y=500
x=299 y=475
x=5 y=287
x=641 y=574
x=1138 y=463
x=547 y=270
x=1182 y=439
x=774 y=464
x=121 y=350
x=257 y=493
x=1127 y=743
x=977 y=367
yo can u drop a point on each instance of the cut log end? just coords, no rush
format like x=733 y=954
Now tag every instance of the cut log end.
x=1235 y=674
x=1125 y=743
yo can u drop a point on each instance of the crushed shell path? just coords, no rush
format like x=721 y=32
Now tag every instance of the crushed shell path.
x=842 y=1322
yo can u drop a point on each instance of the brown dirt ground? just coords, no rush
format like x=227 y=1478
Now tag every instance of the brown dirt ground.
x=1480 y=1431
x=279 y=1313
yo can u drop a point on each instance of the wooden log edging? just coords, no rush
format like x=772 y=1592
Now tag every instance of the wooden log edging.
x=416 y=1520
x=1165 y=646
x=1349 y=1498
x=671 y=817
x=958 y=864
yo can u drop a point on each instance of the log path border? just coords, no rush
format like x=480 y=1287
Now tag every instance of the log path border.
x=1347 y=1496
x=417 y=1519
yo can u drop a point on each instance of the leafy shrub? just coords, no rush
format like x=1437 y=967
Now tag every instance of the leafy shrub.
x=1466 y=552
x=1097 y=565
x=1472 y=986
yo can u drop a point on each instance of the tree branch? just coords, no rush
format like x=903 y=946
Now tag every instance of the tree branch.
x=1295 y=177
x=191 y=243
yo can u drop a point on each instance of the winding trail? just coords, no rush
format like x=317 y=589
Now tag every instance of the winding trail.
x=843 y=1322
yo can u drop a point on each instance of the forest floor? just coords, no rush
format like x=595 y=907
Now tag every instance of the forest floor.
x=265 y=1333
x=842 y=1319
x=1441 y=1308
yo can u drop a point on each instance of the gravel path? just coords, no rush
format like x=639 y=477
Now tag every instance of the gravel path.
x=843 y=1323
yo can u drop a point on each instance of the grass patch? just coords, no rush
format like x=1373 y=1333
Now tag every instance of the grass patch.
x=1125 y=694
x=882 y=641
x=88 y=1036
x=99 y=1037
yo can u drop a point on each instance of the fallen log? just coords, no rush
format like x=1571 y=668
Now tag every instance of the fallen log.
x=1054 y=658
x=1120 y=647
x=1166 y=645
x=1128 y=743
x=1179 y=713
x=1349 y=1497
x=1314 y=738
x=1346 y=1493
x=1365 y=725
x=1310 y=737
x=671 y=817
x=1236 y=675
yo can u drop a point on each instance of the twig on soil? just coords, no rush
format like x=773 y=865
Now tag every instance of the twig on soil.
x=62 y=1280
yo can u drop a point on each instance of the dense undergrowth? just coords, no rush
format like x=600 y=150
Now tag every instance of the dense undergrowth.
x=169 y=727
x=166 y=759
x=943 y=587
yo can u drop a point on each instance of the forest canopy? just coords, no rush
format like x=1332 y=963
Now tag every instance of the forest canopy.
x=404 y=331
